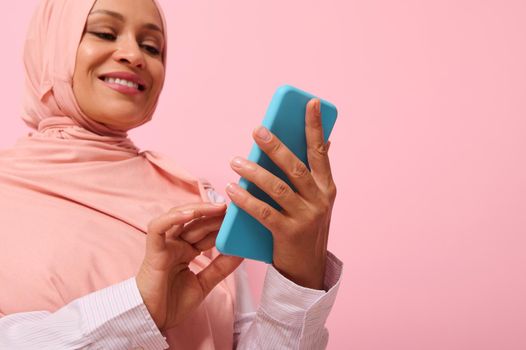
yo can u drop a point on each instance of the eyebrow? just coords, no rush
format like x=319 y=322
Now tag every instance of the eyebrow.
x=121 y=18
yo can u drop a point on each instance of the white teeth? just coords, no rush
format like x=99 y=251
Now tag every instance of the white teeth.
x=121 y=82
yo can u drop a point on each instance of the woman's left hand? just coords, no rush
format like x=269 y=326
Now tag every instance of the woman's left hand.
x=300 y=230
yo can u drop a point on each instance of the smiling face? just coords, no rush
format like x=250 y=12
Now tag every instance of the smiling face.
x=119 y=70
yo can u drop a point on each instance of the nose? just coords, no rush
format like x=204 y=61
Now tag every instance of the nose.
x=130 y=53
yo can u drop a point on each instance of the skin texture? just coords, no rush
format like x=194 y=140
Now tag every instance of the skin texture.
x=110 y=45
x=301 y=229
x=170 y=291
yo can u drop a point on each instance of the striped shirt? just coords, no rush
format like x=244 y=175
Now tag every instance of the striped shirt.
x=288 y=317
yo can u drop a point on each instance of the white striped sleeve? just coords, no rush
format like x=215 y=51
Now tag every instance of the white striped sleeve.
x=290 y=316
x=111 y=318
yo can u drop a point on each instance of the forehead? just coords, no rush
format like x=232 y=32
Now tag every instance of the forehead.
x=132 y=10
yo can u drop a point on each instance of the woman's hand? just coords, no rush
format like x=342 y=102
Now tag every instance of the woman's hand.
x=301 y=229
x=169 y=289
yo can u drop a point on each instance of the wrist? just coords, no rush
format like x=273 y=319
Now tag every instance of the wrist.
x=153 y=295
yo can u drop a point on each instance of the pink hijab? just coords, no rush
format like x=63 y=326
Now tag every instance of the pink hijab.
x=76 y=196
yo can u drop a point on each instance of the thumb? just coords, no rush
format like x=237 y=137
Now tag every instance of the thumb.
x=217 y=270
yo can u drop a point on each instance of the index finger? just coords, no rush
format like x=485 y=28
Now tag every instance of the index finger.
x=317 y=149
x=177 y=217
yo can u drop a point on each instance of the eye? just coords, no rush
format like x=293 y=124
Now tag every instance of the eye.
x=109 y=36
x=153 y=50
x=106 y=36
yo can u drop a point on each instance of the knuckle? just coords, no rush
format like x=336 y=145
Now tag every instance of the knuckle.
x=265 y=213
x=280 y=189
x=321 y=150
x=333 y=191
x=299 y=170
x=275 y=148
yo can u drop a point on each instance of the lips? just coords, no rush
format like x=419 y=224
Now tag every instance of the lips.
x=134 y=78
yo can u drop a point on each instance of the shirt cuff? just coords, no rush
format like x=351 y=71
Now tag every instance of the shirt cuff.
x=290 y=303
x=121 y=320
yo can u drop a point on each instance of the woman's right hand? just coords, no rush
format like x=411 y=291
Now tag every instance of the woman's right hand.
x=169 y=289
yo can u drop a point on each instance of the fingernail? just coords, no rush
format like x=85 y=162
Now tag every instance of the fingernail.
x=187 y=212
x=238 y=162
x=219 y=202
x=215 y=198
x=241 y=163
x=317 y=105
x=263 y=133
x=233 y=189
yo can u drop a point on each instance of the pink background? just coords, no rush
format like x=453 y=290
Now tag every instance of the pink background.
x=428 y=152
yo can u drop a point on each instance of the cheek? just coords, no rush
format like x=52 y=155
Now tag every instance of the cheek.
x=79 y=76
x=157 y=72
x=83 y=88
x=87 y=57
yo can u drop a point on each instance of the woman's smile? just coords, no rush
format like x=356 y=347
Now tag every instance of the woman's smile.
x=120 y=87
x=126 y=83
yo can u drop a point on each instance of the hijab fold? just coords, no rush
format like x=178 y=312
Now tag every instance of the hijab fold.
x=76 y=195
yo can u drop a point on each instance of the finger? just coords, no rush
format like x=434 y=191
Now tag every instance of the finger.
x=317 y=149
x=206 y=243
x=174 y=232
x=181 y=251
x=217 y=270
x=200 y=228
x=295 y=170
x=198 y=210
x=158 y=227
x=276 y=188
x=178 y=216
x=261 y=211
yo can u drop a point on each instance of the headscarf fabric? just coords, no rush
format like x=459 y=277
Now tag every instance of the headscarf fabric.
x=76 y=196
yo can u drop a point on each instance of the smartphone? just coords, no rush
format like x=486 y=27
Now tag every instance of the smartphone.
x=241 y=234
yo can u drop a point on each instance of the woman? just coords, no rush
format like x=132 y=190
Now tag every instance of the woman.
x=109 y=247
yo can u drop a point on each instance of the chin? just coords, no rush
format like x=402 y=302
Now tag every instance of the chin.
x=121 y=120
x=121 y=110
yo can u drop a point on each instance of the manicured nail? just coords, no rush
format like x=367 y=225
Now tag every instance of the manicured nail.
x=241 y=163
x=263 y=133
x=233 y=189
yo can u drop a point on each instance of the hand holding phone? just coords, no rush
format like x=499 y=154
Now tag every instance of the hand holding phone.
x=286 y=183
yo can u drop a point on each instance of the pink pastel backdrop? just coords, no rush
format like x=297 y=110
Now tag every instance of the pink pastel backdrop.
x=428 y=152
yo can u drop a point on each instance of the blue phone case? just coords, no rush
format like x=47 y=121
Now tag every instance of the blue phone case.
x=240 y=234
